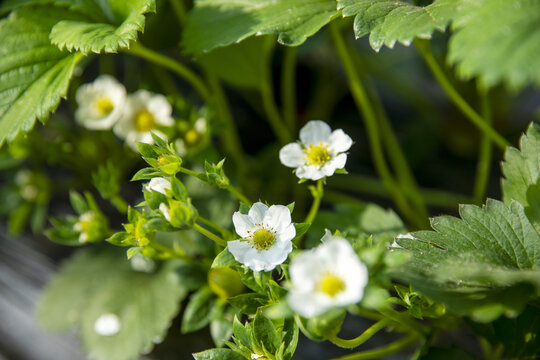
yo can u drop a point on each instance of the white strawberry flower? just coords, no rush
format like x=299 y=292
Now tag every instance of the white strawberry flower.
x=158 y=184
x=267 y=234
x=100 y=103
x=144 y=112
x=328 y=276
x=320 y=152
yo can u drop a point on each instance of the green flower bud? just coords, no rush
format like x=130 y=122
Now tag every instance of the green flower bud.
x=182 y=214
x=169 y=164
x=225 y=282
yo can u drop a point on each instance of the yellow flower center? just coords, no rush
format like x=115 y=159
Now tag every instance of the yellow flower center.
x=263 y=239
x=331 y=285
x=192 y=137
x=317 y=155
x=104 y=106
x=144 y=121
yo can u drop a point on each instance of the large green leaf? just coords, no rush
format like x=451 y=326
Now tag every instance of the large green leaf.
x=497 y=40
x=34 y=75
x=521 y=169
x=105 y=27
x=388 y=21
x=93 y=283
x=484 y=264
x=215 y=23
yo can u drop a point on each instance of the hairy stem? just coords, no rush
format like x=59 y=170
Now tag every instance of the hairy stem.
x=365 y=336
x=370 y=119
x=484 y=156
x=213 y=225
x=423 y=47
x=288 y=87
x=318 y=193
x=210 y=235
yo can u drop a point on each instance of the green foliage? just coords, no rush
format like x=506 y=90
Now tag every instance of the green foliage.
x=388 y=21
x=484 y=264
x=218 y=23
x=197 y=313
x=93 y=283
x=104 y=26
x=521 y=168
x=497 y=40
x=34 y=73
x=218 y=354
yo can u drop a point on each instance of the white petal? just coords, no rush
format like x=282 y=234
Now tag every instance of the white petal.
x=257 y=212
x=327 y=236
x=165 y=211
x=306 y=304
x=239 y=248
x=277 y=217
x=160 y=109
x=311 y=172
x=335 y=163
x=305 y=270
x=314 y=132
x=339 y=141
x=286 y=234
x=159 y=184
x=291 y=155
x=277 y=254
x=107 y=325
x=243 y=224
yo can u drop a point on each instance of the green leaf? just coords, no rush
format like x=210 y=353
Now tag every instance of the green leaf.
x=388 y=21
x=521 y=169
x=484 y=264
x=248 y=303
x=197 y=313
x=241 y=333
x=221 y=323
x=105 y=26
x=34 y=74
x=215 y=23
x=144 y=303
x=224 y=258
x=218 y=354
x=497 y=40
x=265 y=333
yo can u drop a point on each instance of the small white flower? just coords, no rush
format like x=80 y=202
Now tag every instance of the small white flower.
x=320 y=152
x=84 y=225
x=192 y=137
x=107 y=325
x=101 y=103
x=267 y=234
x=165 y=211
x=144 y=112
x=142 y=263
x=158 y=184
x=328 y=276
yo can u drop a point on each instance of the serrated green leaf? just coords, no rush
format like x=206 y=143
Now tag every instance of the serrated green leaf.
x=218 y=354
x=265 y=333
x=105 y=27
x=197 y=313
x=215 y=23
x=34 y=74
x=248 y=303
x=521 y=168
x=477 y=262
x=93 y=283
x=498 y=41
x=388 y=21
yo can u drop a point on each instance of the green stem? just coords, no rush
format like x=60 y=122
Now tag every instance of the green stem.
x=404 y=320
x=384 y=351
x=213 y=225
x=269 y=104
x=423 y=47
x=484 y=155
x=190 y=172
x=181 y=70
x=370 y=119
x=368 y=185
x=210 y=235
x=179 y=11
x=237 y=194
x=288 y=87
x=318 y=193
x=366 y=335
x=231 y=139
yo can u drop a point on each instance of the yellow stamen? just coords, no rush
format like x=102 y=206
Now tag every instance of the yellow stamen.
x=144 y=121
x=104 y=106
x=317 y=155
x=331 y=285
x=192 y=137
x=263 y=239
